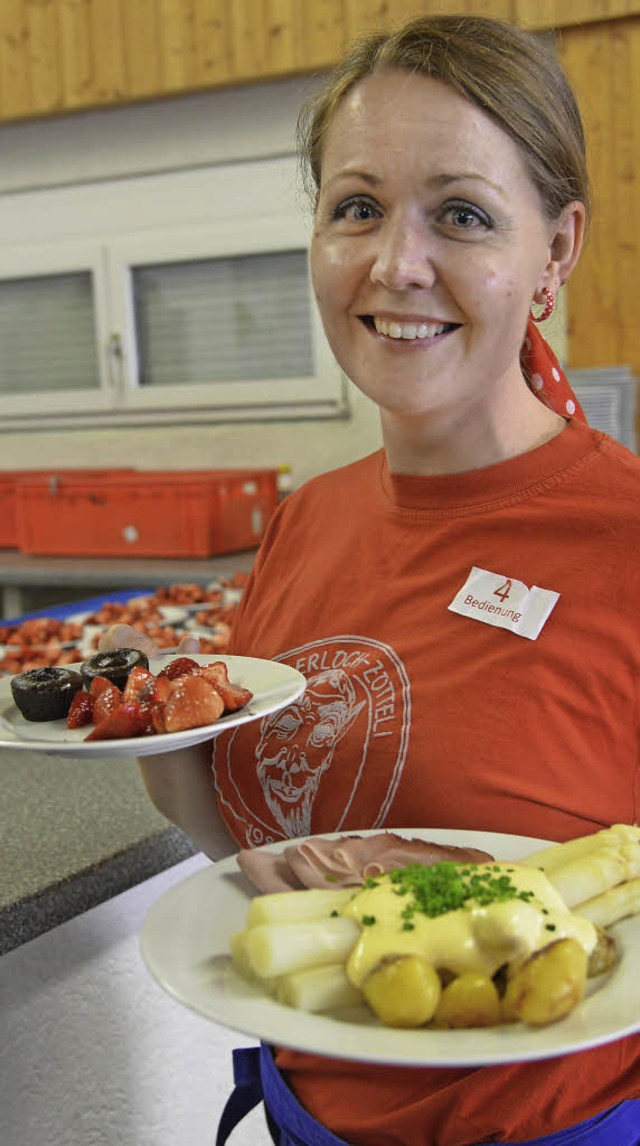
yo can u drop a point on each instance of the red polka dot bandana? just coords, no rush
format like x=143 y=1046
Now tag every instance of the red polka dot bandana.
x=545 y=376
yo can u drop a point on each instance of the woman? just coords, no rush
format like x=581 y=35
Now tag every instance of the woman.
x=464 y=602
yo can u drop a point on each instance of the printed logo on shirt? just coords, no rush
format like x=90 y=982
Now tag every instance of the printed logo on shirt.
x=323 y=762
x=504 y=602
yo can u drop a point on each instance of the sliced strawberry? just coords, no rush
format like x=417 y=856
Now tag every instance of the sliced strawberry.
x=99 y=684
x=106 y=702
x=156 y=713
x=157 y=689
x=136 y=680
x=123 y=722
x=233 y=695
x=163 y=689
x=216 y=672
x=192 y=703
x=182 y=666
x=81 y=710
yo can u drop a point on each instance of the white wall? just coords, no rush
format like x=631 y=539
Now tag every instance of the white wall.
x=185 y=135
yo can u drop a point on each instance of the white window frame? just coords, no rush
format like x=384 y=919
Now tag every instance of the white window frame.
x=45 y=261
x=108 y=229
x=321 y=393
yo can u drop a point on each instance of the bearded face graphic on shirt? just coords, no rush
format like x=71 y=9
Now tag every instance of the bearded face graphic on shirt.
x=297 y=745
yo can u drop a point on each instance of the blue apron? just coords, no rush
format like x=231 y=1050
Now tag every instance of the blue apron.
x=258 y=1079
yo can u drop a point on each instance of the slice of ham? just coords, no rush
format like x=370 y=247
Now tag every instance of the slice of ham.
x=344 y=862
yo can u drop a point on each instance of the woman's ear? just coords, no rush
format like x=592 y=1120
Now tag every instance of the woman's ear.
x=566 y=238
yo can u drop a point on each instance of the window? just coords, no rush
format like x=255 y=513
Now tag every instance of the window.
x=47 y=334
x=155 y=323
x=223 y=320
x=53 y=324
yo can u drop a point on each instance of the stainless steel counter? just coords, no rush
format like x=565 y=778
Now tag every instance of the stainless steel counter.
x=20 y=573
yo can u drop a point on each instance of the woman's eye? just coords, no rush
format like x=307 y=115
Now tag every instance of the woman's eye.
x=356 y=210
x=465 y=217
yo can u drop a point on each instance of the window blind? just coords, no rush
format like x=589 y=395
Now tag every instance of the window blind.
x=47 y=334
x=246 y=317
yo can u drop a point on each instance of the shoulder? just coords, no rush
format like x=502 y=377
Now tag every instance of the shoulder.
x=618 y=468
x=345 y=489
x=351 y=477
x=309 y=514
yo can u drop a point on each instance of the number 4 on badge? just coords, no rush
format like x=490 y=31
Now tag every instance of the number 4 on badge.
x=503 y=591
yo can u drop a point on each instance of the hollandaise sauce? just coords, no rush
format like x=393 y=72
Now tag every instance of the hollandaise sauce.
x=460 y=917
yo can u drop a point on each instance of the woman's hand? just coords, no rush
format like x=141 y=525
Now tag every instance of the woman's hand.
x=179 y=783
x=126 y=637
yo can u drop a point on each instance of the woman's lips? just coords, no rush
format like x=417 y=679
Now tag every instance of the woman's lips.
x=407 y=330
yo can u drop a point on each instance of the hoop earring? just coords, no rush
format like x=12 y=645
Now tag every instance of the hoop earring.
x=548 y=306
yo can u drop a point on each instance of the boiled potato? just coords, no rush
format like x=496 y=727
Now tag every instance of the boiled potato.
x=548 y=985
x=470 y=1000
x=403 y=991
x=604 y=954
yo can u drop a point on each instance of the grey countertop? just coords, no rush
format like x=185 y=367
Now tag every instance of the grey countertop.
x=23 y=577
x=74 y=833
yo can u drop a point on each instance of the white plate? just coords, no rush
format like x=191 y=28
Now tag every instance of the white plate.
x=273 y=685
x=185 y=944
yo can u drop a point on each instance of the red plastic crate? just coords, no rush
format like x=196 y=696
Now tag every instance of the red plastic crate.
x=8 y=516
x=186 y=513
x=9 y=483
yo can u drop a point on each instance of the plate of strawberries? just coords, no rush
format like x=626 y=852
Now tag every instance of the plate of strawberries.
x=118 y=704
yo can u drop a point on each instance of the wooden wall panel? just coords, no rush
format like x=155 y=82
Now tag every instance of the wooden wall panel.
x=563 y=13
x=603 y=61
x=283 y=37
x=43 y=56
x=141 y=48
x=15 y=94
x=247 y=23
x=323 y=32
x=176 y=24
x=108 y=61
x=627 y=45
x=377 y=15
x=76 y=53
x=64 y=55
x=212 y=42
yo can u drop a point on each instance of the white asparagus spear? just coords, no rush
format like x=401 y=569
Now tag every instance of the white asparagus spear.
x=318 y=990
x=298 y=906
x=240 y=957
x=612 y=905
x=280 y=949
x=239 y=953
x=596 y=872
x=556 y=855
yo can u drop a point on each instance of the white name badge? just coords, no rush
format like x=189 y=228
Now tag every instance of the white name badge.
x=504 y=602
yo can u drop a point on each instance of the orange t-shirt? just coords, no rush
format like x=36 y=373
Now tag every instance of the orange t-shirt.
x=418 y=716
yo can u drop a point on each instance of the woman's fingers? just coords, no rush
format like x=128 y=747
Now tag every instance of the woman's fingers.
x=188 y=645
x=126 y=637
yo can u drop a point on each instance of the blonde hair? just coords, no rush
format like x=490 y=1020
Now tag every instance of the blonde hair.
x=512 y=75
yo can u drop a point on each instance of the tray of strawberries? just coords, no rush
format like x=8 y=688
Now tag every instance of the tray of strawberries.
x=164 y=616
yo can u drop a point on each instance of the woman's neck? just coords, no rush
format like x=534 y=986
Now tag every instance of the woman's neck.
x=444 y=444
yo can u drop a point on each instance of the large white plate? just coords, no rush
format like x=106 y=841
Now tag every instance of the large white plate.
x=273 y=685
x=185 y=945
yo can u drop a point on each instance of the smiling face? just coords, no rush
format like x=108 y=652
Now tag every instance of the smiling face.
x=429 y=245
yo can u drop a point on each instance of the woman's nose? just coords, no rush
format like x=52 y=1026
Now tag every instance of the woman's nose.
x=403 y=258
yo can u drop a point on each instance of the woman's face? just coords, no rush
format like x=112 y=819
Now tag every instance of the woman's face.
x=428 y=246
